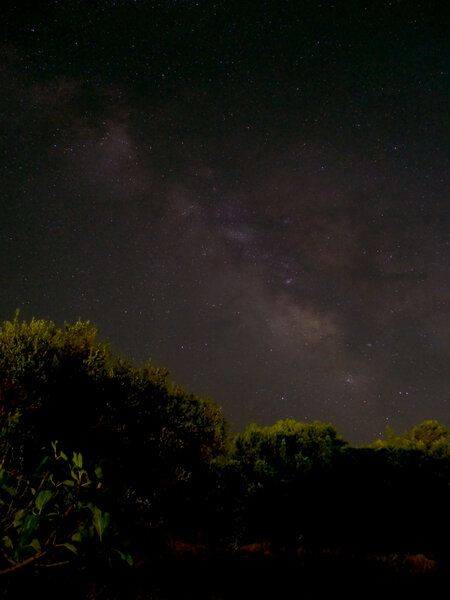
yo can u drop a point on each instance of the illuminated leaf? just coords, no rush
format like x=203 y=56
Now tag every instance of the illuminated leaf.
x=35 y=544
x=71 y=547
x=100 y=521
x=43 y=497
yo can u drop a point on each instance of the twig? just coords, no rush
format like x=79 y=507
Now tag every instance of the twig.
x=57 y=564
x=22 y=564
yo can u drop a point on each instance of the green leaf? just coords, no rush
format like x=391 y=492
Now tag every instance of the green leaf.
x=68 y=482
x=70 y=547
x=100 y=521
x=42 y=463
x=43 y=497
x=77 y=537
x=61 y=454
x=77 y=460
x=18 y=517
x=80 y=476
x=87 y=481
x=7 y=542
x=35 y=544
x=126 y=557
x=30 y=524
x=11 y=491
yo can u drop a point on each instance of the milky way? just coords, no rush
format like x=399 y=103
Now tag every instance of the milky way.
x=255 y=199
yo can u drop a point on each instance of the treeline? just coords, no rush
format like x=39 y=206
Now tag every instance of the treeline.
x=104 y=464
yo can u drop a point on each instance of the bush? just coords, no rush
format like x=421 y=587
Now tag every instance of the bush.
x=155 y=442
x=52 y=517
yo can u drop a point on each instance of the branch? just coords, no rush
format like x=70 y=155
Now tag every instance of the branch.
x=57 y=564
x=22 y=564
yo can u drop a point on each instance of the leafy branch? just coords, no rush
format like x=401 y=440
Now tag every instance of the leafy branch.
x=49 y=514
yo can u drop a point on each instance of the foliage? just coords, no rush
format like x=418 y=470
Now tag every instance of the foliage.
x=46 y=374
x=51 y=518
x=431 y=437
x=173 y=472
x=288 y=447
x=155 y=441
x=281 y=472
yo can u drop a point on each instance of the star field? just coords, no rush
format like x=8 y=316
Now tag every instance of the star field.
x=254 y=196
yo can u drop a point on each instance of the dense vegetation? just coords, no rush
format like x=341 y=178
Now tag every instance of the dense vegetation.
x=107 y=468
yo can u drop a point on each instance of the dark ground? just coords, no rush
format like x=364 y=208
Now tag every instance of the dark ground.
x=234 y=578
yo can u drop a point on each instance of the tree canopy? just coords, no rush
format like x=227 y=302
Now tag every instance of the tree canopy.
x=92 y=446
x=60 y=383
x=428 y=436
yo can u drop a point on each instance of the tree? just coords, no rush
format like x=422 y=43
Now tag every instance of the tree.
x=155 y=441
x=416 y=468
x=284 y=471
x=49 y=380
x=429 y=437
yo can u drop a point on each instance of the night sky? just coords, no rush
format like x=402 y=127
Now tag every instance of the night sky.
x=255 y=195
